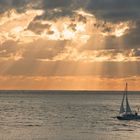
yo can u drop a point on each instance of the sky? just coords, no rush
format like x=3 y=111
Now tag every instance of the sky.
x=70 y=44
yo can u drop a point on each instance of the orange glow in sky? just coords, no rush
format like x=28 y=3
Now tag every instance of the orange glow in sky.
x=79 y=51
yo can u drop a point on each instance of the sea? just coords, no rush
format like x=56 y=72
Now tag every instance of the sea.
x=66 y=115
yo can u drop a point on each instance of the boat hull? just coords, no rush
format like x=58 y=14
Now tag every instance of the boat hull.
x=129 y=117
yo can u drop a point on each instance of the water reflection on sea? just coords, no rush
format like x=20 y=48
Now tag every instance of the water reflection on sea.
x=65 y=115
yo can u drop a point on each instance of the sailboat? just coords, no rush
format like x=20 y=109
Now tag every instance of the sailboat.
x=125 y=110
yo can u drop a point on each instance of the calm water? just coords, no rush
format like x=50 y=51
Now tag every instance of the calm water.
x=53 y=115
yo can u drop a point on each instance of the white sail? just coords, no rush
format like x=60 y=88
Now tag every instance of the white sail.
x=122 y=110
x=125 y=110
x=128 y=109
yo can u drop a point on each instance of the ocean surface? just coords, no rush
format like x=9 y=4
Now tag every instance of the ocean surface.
x=65 y=115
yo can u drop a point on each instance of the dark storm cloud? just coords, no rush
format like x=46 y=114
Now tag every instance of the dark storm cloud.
x=129 y=40
x=55 y=9
x=19 y=5
x=37 y=27
x=132 y=40
x=106 y=10
x=52 y=14
x=112 y=10
x=115 y=10
x=49 y=4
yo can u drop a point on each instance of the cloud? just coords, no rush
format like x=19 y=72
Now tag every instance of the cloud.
x=132 y=39
x=115 y=10
x=37 y=27
x=54 y=9
x=10 y=50
x=43 y=49
x=61 y=8
x=136 y=53
x=13 y=25
x=19 y=5
x=110 y=10
x=37 y=50
x=56 y=4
